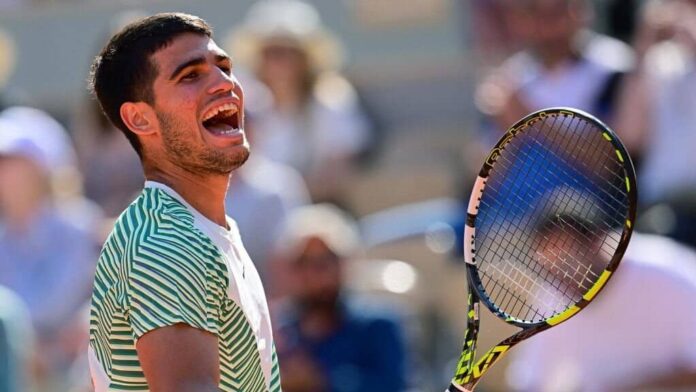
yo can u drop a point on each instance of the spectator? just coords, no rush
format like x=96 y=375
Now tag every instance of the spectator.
x=636 y=335
x=46 y=254
x=325 y=343
x=315 y=124
x=561 y=63
x=657 y=121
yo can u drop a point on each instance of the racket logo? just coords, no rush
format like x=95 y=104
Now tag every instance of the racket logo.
x=493 y=156
x=482 y=365
x=511 y=133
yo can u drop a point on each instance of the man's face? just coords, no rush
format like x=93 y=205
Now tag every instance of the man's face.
x=317 y=275
x=200 y=106
x=569 y=257
x=283 y=66
x=22 y=183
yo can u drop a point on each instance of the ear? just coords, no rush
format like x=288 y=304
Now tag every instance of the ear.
x=139 y=117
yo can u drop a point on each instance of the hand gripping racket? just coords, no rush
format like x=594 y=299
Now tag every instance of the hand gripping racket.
x=548 y=221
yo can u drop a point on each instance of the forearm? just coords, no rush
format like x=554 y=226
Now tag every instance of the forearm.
x=632 y=118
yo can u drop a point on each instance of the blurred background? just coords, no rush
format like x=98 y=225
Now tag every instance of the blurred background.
x=368 y=120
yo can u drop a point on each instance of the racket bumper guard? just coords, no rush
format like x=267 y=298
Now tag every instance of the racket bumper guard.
x=476 y=193
x=469 y=250
x=457 y=388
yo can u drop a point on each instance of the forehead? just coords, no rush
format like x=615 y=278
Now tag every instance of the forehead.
x=185 y=47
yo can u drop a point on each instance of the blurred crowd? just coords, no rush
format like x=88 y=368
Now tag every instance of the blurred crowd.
x=63 y=184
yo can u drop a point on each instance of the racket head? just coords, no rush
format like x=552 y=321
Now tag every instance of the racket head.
x=552 y=208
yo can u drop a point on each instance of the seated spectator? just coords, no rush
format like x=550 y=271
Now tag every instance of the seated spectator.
x=47 y=251
x=561 y=63
x=636 y=335
x=315 y=123
x=324 y=341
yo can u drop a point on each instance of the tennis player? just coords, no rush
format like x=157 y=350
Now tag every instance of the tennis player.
x=177 y=303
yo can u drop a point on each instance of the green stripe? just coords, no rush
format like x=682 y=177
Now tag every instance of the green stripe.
x=156 y=269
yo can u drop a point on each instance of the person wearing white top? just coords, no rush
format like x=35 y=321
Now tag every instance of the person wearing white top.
x=637 y=334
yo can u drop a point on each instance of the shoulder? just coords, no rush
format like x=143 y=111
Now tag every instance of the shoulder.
x=158 y=223
x=607 y=53
x=661 y=258
x=669 y=61
x=154 y=211
x=663 y=269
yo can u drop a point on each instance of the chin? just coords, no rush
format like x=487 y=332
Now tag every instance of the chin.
x=240 y=156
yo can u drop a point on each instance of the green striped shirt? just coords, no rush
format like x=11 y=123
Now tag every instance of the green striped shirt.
x=164 y=263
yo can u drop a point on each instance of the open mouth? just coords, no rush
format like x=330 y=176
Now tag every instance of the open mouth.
x=223 y=120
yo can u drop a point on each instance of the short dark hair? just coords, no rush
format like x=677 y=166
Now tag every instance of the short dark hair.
x=123 y=71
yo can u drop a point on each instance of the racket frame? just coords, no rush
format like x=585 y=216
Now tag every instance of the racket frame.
x=469 y=371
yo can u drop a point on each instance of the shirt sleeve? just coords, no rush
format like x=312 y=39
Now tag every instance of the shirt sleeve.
x=174 y=279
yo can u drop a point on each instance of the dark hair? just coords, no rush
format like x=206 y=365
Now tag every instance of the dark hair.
x=123 y=71
x=580 y=227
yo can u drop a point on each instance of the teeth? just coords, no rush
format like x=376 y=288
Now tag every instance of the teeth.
x=228 y=132
x=232 y=108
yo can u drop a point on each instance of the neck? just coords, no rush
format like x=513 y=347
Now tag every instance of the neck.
x=553 y=59
x=287 y=97
x=204 y=193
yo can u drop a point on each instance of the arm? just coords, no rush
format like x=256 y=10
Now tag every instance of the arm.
x=498 y=97
x=632 y=118
x=174 y=298
x=179 y=358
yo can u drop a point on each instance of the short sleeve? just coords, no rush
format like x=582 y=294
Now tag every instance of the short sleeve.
x=174 y=279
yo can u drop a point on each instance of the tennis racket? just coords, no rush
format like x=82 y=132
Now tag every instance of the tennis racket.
x=548 y=221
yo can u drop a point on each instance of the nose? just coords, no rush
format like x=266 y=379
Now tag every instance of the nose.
x=222 y=83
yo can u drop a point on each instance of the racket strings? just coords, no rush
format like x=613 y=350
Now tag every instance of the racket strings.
x=535 y=180
x=575 y=173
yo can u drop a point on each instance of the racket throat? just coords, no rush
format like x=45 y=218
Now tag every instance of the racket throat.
x=467 y=380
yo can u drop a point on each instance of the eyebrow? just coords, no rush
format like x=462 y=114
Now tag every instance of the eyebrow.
x=196 y=61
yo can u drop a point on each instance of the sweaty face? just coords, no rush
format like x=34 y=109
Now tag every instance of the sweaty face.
x=200 y=106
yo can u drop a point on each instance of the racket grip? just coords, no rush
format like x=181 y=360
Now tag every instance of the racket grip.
x=457 y=388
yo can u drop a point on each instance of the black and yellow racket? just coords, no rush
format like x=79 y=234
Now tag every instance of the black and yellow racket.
x=548 y=221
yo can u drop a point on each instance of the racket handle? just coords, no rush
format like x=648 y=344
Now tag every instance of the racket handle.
x=457 y=388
